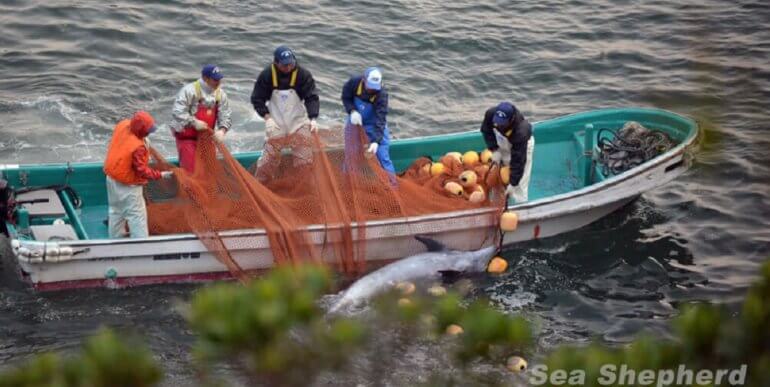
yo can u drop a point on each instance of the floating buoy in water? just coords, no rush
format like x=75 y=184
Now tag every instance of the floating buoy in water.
x=505 y=175
x=516 y=364
x=470 y=158
x=436 y=169
x=455 y=155
x=509 y=220
x=468 y=178
x=454 y=330
x=486 y=156
x=406 y=288
x=497 y=265
x=402 y=302
x=478 y=195
x=454 y=188
x=437 y=290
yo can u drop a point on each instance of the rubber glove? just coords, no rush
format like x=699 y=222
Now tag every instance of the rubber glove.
x=270 y=127
x=355 y=118
x=219 y=135
x=372 y=149
x=497 y=157
x=313 y=126
x=166 y=174
x=199 y=125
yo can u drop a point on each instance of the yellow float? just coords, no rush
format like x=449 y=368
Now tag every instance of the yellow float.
x=505 y=175
x=470 y=158
x=509 y=220
x=436 y=169
x=454 y=188
x=468 y=178
x=454 y=330
x=497 y=265
x=486 y=156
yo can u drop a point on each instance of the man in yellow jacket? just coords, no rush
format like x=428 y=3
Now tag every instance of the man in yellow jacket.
x=127 y=170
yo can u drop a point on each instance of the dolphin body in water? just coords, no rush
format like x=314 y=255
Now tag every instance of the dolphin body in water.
x=436 y=262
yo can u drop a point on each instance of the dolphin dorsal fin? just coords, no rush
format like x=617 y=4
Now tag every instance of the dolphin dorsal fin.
x=430 y=244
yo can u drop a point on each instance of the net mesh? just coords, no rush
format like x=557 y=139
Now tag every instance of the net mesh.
x=313 y=198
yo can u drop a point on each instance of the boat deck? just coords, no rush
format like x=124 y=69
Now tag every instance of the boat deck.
x=554 y=172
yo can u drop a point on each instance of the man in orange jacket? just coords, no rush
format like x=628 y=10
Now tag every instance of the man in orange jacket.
x=127 y=171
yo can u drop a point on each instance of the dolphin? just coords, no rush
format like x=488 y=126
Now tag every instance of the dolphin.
x=438 y=261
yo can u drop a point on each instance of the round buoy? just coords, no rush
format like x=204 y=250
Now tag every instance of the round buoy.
x=478 y=195
x=516 y=364
x=402 y=302
x=505 y=175
x=470 y=158
x=454 y=330
x=486 y=156
x=436 y=169
x=406 y=288
x=455 y=155
x=437 y=290
x=497 y=265
x=468 y=178
x=454 y=188
x=509 y=220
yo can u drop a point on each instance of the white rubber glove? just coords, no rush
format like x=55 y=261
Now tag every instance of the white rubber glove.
x=313 y=126
x=166 y=174
x=509 y=191
x=270 y=127
x=199 y=125
x=355 y=118
x=372 y=149
x=219 y=135
x=497 y=157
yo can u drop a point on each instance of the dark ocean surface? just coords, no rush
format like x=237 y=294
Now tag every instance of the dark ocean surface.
x=70 y=70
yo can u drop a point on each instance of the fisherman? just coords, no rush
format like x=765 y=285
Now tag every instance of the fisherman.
x=366 y=102
x=200 y=106
x=127 y=171
x=509 y=136
x=285 y=96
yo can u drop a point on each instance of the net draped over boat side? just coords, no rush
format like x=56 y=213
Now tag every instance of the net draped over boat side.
x=313 y=200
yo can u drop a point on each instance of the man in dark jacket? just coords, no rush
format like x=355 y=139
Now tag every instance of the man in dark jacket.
x=509 y=136
x=285 y=95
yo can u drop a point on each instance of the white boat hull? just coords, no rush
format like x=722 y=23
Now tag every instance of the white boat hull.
x=181 y=258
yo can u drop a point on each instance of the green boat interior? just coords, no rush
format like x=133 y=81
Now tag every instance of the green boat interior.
x=69 y=201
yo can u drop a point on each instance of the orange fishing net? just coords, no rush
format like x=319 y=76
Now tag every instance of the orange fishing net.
x=308 y=189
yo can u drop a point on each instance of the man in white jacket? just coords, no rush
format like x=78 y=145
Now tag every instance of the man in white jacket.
x=200 y=106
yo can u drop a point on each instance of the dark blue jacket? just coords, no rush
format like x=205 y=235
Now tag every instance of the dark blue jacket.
x=349 y=92
x=520 y=132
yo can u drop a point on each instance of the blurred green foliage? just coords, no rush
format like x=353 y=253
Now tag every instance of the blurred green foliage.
x=105 y=360
x=272 y=329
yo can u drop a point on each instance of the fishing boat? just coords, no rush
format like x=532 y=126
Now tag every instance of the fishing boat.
x=59 y=237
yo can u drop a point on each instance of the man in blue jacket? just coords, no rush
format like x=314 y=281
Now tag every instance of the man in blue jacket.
x=366 y=102
x=509 y=136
